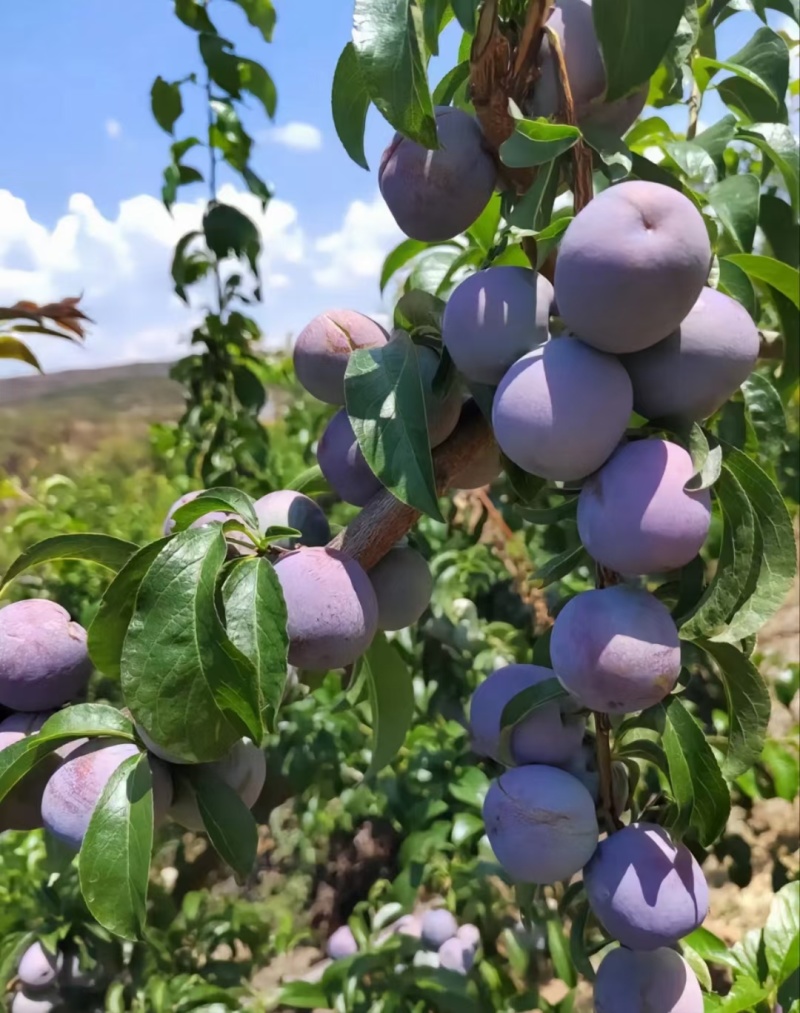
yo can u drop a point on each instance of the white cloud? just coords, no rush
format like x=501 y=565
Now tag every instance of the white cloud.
x=113 y=129
x=358 y=248
x=295 y=135
x=120 y=264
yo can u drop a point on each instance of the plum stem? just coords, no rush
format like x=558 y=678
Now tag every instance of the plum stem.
x=602 y=723
x=384 y=520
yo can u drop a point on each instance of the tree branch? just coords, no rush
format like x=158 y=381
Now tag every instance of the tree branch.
x=384 y=520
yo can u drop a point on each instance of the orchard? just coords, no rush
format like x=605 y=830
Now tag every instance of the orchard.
x=505 y=598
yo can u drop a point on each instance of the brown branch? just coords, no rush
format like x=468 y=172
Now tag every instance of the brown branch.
x=602 y=726
x=384 y=520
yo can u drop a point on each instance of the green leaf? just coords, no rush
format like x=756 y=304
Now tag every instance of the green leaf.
x=350 y=102
x=465 y=826
x=743 y=997
x=386 y=407
x=13 y=348
x=781 y=229
x=551 y=515
x=436 y=15
x=777 y=564
x=464 y=11
x=533 y=209
x=228 y=231
x=614 y=154
x=748 y=707
x=400 y=256
x=179 y=264
x=311 y=481
x=765 y=411
x=706 y=454
x=484 y=229
x=255 y=79
x=577 y=943
x=559 y=950
x=445 y=90
x=777 y=142
x=166 y=103
x=524 y=704
x=223 y=500
x=695 y=162
x=256 y=185
x=193 y=13
x=419 y=310
x=782 y=933
x=535 y=142
x=736 y=202
x=763 y=61
x=634 y=36
x=735 y=565
x=715 y=139
x=643 y=749
x=255 y=618
x=391 y=697
x=735 y=283
x=114 y=863
x=104 y=550
x=387 y=37
x=697 y=964
x=261 y=15
x=751 y=103
x=303 y=995
x=559 y=566
x=710 y=947
x=187 y=685
x=229 y=824
x=697 y=783
x=76 y=722
x=549 y=238
x=781 y=277
x=106 y=633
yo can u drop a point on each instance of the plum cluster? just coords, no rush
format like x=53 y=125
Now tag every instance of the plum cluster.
x=46 y=979
x=443 y=942
x=334 y=607
x=44 y=663
x=646 y=890
x=436 y=195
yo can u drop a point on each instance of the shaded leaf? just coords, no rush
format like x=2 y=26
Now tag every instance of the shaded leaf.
x=228 y=822
x=697 y=783
x=350 y=102
x=386 y=407
x=13 y=348
x=634 y=36
x=559 y=566
x=736 y=202
x=391 y=697
x=398 y=257
x=748 y=706
x=114 y=864
x=387 y=38
x=166 y=103
x=261 y=15
x=255 y=618
x=763 y=61
x=191 y=690
x=105 y=550
x=780 y=276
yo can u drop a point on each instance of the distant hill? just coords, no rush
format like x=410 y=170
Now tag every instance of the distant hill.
x=46 y=421
x=76 y=382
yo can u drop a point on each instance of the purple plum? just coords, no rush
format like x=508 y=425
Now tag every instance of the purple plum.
x=541 y=823
x=44 y=662
x=631 y=265
x=562 y=409
x=332 y=608
x=21 y=809
x=645 y=890
x=435 y=195
x=616 y=649
x=403 y=586
x=38 y=968
x=634 y=515
x=572 y=22
x=658 y=981
x=493 y=318
x=25 y=1001
x=244 y=770
x=694 y=371
x=455 y=955
x=288 y=509
x=343 y=464
x=323 y=348
x=552 y=734
x=342 y=943
x=74 y=790
x=438 y=925
x=469 y=935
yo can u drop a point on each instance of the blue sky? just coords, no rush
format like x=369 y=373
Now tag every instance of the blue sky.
x=82 y=161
